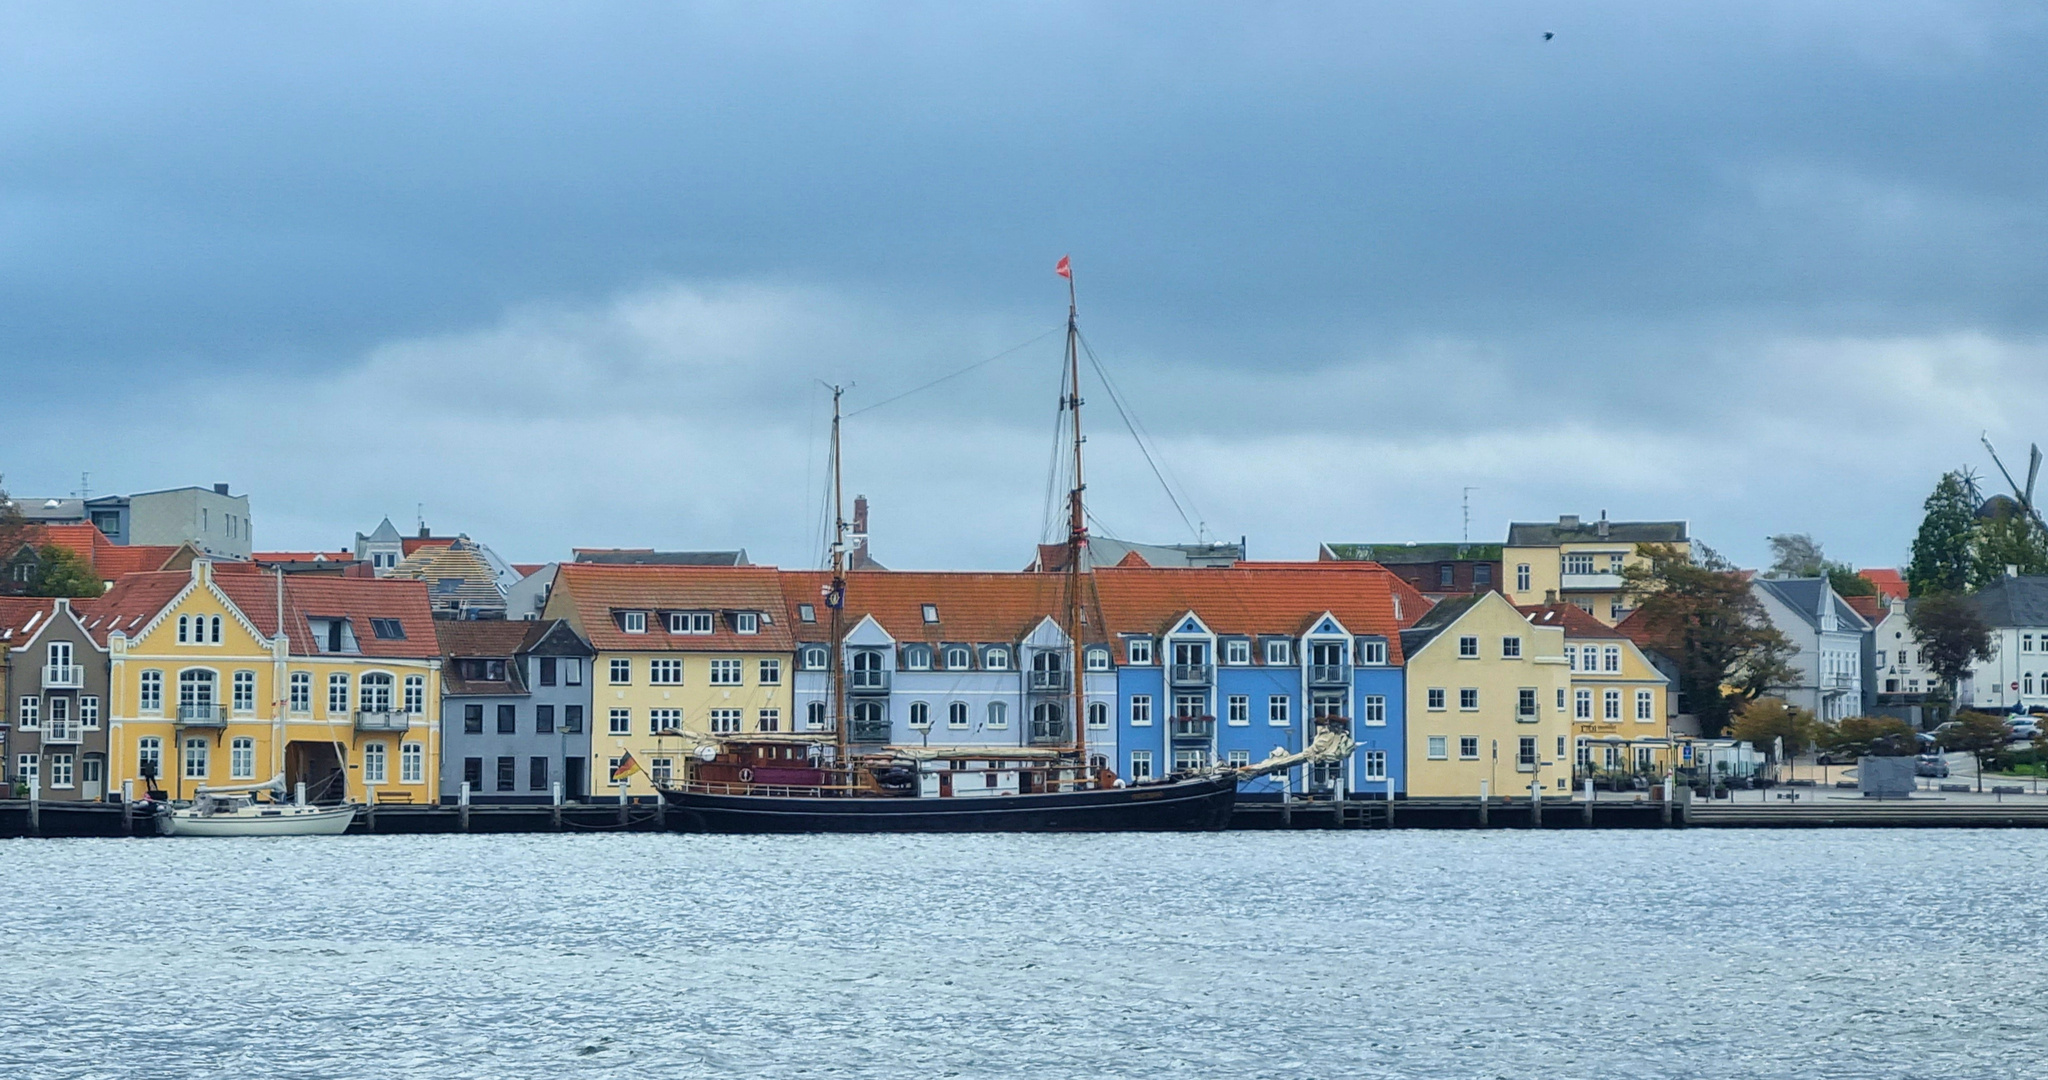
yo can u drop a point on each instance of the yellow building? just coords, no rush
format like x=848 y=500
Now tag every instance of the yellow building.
x=1487 y=694
x=1618 y=698
x=695 y=651
x=204 y=688
x=1580 y=563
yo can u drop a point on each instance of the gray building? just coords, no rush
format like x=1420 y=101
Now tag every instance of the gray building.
x=2015 y=679
x=56 y=697
x=515 y=710
x=1832 y=642
x=210 y=519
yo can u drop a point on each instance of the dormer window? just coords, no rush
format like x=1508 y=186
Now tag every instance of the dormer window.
x=1277 y=653
x=958 y=658
x=633 y=622
x=917 y=658
x=689 y=622
x=334 y=635
x=1098 y=659
x=1372 y=651
x=998 y=659
x=807 y=613
x=815 y=657
x=1237 y=652
x=746 y=622
x=1138 y=651
x=931 y=612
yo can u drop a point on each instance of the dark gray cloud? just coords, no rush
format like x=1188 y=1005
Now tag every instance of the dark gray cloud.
x=1677 y=242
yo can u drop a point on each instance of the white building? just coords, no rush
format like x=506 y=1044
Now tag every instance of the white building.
x=2016 y=676
x=1829 y=636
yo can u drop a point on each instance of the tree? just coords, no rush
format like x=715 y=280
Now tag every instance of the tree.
x=14 y=532
x=2005 y=536
x=1976 y=734
x=1952 y=633
x=1767 y=719
x=1942 y=549
x=1847 y=582
x=1796 y=555
x=61 y=573
x=1700 y=611
x=1871 y=736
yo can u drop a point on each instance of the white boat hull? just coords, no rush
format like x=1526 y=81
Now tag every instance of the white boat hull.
x=261 y=820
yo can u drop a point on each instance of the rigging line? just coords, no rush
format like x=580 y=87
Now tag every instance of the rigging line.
x=1055 y=467
x=956 y=374
x=1117 y=400
x=1145 y=435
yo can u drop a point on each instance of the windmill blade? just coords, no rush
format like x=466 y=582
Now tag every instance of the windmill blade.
x=2033 y=470
x=1986 y=440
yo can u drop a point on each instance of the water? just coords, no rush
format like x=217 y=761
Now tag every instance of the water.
x=1412 y=954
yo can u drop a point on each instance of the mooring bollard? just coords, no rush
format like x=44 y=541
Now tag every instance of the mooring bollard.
x=462 y=803
x=127 y=808
x=1536 y=804
x=1664 y=810
x=623 y=803
x=35 y=805
x=1390 y=798
x=1482 y=804
x=555 y=812
x=1586 y=811
x=370 y=810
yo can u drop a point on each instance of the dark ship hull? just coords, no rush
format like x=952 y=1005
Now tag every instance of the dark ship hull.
x=1199 y=804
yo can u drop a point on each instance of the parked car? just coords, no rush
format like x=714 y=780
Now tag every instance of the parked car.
x=2022 y=730
x=1835 y=757
x=1931 y=765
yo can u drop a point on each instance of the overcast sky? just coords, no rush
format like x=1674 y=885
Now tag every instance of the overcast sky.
x=567 y=275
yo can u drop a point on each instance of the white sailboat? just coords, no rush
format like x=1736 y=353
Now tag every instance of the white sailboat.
x=234 y=811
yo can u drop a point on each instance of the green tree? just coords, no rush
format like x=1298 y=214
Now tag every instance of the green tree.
x=1700 y=611
x=2008 y=536
x=14 y=532
x=1871 y=736
x=1978 y=735
x=1942 y=549
x=1954 y=635
x=61 y=573
x=1847 y=582
x=1767 y=719
x=1796 y=555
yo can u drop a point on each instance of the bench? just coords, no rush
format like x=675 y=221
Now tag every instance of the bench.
x=2008 y=789
x=393 y=797
x=1953 y=787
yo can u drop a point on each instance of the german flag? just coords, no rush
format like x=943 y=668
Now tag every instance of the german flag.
x=625 y=768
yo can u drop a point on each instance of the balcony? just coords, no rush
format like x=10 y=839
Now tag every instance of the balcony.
x=1048 y=682
x=868 y=730
x=1051 y=732
x=202 y=716
x=1190 y=674
x=382 y=720
x=1607 y=582
x=868 y=682
x=1193 y=727
x=1329 y=674
x=63 y=732
x=63 y=676
x=1840 y=680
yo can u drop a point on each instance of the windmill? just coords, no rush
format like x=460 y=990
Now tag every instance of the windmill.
x=2023 y=496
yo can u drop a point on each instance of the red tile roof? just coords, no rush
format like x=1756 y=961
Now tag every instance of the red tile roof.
x=527 y=569
x=995 y=606
x=1870 y=607
x=411 y=544
x=595 y=591
x=305 y=556
x=137 y=598
x=1577 y=622
x=17 y=612
x=1889 y=582
x=1262 y=598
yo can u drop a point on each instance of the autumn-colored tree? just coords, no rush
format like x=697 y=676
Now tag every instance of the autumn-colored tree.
x=1955 y=637
x=1871 y=736
x=1767 y=719
x=1699 y=610
x=1978 y=735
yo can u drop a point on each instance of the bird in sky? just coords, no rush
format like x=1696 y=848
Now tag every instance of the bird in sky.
x=1548 y=34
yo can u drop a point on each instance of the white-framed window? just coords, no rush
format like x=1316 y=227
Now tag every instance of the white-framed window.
x=195 y=758
x=920 y=715
x=2026 y=643
x=213 y=623
x=1238 y=759
x=998 y=715
x=1141 y=710
x=1521 y=577
x=245 y=692
x=633 y=622
x=1610 y=705
x=416 y=694
x=184 y=629
x=1098 y=714
x=956 y=715
x=1188 y=760
x=374 y=692
x=1571 y=657
x=1277 y=653
x=771 y=673
x=151 y=692
x=1375 y=710
x=660 y=720
x=25 y=769
x=412 y=763
x=1582 y=704
x=1237 y=652
x=814 y=716
x=660 y=771
x=1097 y=659
x=727 y=672
x=621 y=671
x=1580 y=563
x=89 y=712
x=1468 y=748
x=337 y=694
x=1439 y=748
x=242 y=759
x=959 y=658
x=1237 y=710
x=1141 y=765
x=60 y=770
x=746 y=622
x=917 y=658
x=1468 y=647
x=666 y=671
x=725 y=721
x=300 y=698
x=999 y=659
x=1435 y=699
x=1279 y=710
x=620 y=722
x=929 y=612
x=1525 y=704
x=1138 y=651
x=1610 y=658
x=1646 y=705
x=1372 y=652
x=374 y=763
x=149 y=756
x=30 y=714
x=572 y=671
x=767 y=719
x=1468 y=698
x=1511 y=648
x=1376 y=765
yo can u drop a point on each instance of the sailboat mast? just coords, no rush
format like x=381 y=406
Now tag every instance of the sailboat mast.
x=835 y=596
x=1077 y=523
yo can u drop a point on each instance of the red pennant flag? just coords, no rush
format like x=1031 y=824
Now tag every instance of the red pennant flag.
x=1064 y=268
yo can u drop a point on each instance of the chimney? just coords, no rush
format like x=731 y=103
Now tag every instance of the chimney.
x=424 y=531
x=1567 y=521
x=220 y=489
x=2012 y=570
x=1550 y=596
x=1603 y=525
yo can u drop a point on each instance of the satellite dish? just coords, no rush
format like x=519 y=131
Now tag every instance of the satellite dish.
x=706 y=753
x=52 y=504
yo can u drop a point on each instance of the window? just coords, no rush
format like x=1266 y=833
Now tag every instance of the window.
x=814 y=716
x=1436 y=699
x=768 y=720
x=930 y=612
x=30 y=714
x=572 y=671
x=1525 y=753
x=1511 y=648
x=387 y=629
x=1521 y=577
x=1446 y=575
x=632 y=622
x=1276 y=653
x=301 y=693
x=1141 y=710
x=1560 y=746
x=920 y=715
x=667 y=672
x=1571 y=657
x=195 y=691
x=1238 y=759
x=1237 y=652
x=337 y=694
x=1375 y=710
x=1376 y=765
x=152 y=692
x=1610 y=705
x=1097 y=659
x=195 y=759
x=543 y=719
x=660 y=771
x=508 y=720
x=89 y=712
x=807 y=613
x=184 y=629
x=622 y=672
x=1098 y=714
x=958 y=658
x=689 y=622
x=1468 y=748
x=771 y=673
x=727 y=672
x=1468 y=647
x=1482 y=574
x=998 y=715
x=917 y=658
x=507 y=773
x=416 y=694
x=956 y=715
x=1582 y=704
x=60 y=716
x=60 y=770
x=999 y=659
x=1615 y=611
x=1190 y=704
x=473 y=773
x=746 y=622
x=412 y=763
x=537 y=773
x=1468 y=698
x=660 y=721
x=25 y=769
x=376 y=692
x=1372 y=651
x=1439 y=748
x=373 y=763
x=1278 y=710
x=242 y=759
x=472 y=719
x=725 y=721
x=149 y=757
x=572 y=719
x=1610 y=658
x=1238 y=709
x=1141 y=765
x=1139 y=651
x=548 y=670
x=1578 y=564
x=1646 y=705
x=1325 y=703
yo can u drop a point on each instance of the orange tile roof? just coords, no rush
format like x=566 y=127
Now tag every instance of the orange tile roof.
x=16 y=612
x=1889 y=582
x=411 y=544
x=991 y=606
x=596 y=590
x=1869 y=607
x=1577 y=622
x=304 y=556
x=135 y=599
x=1262 y=598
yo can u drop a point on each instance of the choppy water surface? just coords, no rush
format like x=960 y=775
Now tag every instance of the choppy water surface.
x=1701 y=954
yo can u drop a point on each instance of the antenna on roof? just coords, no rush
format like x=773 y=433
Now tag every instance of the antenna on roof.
x=1467 y=533
x=85 y=485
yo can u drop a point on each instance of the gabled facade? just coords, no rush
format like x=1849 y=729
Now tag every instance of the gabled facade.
x=1581 y=562
x=1831 y=639
x=691 y=651
x=228 y=675
x=1488 y=695
x=2016 y=676
x=1223 y=666
x=1618 y=698
x=515 y=710
x=53 y=690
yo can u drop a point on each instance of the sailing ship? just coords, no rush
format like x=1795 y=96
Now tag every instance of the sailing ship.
x=799 y=783
x=235 y=811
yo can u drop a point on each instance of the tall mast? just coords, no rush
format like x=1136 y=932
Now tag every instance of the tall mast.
x=1077 y=521
x=835 y=596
